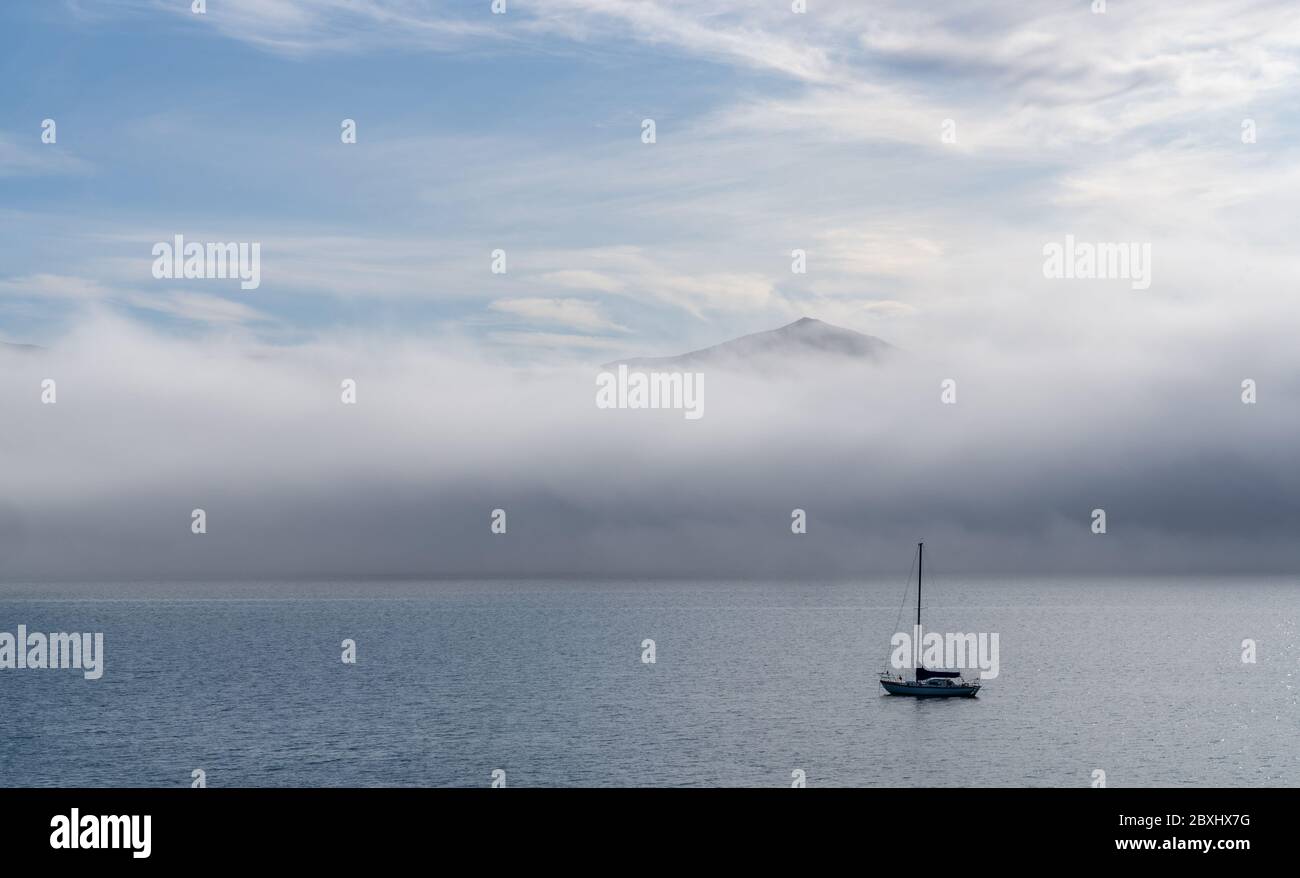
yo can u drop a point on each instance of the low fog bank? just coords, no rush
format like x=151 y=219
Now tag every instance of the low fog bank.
x=101 y=484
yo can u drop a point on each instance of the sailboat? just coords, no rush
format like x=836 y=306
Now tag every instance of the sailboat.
x=927 y=683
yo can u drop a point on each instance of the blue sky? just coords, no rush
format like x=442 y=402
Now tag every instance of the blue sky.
x=521 y=131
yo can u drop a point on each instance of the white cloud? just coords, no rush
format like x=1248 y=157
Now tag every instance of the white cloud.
x=736 y=32
x=1015 y=77
x=579 y=279
x=671 y=277
x=574 y=313
x=53 y=286
x=198 y=307
x=310 y=26
x=81 y=291
x=28 y=156
x=880 y=248
x=553 y=340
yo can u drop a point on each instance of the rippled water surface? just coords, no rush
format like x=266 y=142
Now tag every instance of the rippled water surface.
x=1143 y=679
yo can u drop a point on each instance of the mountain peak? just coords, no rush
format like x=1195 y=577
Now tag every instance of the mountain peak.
x=805 y=338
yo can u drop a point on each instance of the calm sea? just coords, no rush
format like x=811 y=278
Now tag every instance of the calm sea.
x=1141 y=678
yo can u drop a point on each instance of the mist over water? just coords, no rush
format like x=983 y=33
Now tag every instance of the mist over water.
x=296 y=484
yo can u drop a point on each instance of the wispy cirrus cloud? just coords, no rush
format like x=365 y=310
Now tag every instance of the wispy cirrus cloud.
x=29 y=157
x=302 y=27
x=820 y=131
x=54 y=286
x=553 y=341
x=198 y=308
x=1019 y=76
x=582 y=314
x=76 y=292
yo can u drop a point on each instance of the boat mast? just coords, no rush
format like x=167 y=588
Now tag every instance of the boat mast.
x=920 y=564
